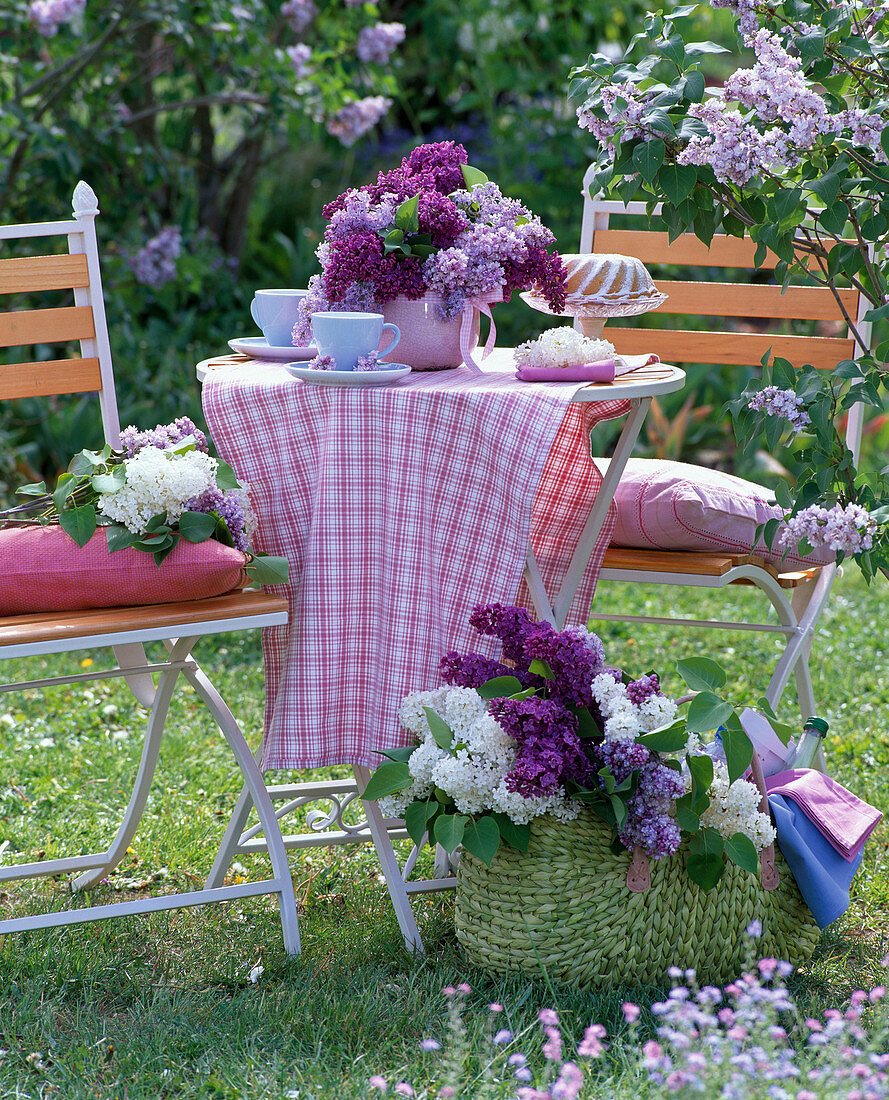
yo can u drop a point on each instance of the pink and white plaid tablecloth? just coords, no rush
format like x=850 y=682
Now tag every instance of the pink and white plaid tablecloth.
x=399 y=508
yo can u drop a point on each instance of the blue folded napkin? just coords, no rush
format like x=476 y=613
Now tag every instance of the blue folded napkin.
x=822 y=874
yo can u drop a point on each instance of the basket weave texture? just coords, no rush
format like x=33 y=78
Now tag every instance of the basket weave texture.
x=564 y=907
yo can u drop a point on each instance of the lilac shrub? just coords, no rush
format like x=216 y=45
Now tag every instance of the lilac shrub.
x=791 y=151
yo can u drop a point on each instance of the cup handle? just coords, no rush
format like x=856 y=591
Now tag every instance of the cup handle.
x=391 y=347
x=253 y=305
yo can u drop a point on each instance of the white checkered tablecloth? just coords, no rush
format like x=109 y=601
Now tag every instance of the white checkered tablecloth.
x=399 y=508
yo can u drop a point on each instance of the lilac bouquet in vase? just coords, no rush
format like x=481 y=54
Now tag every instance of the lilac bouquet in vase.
x=431 y=245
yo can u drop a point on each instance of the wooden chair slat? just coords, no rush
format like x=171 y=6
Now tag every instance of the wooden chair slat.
x=698 y=564
x=655 y=248
x=55 y=376
x=811 y=303
x=731 y=348
x=46 y=326
x=55 y=626
x=29 y=273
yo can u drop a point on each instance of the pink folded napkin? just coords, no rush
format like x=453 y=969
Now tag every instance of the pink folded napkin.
x=845 y=820
x=606 y=370
x=580 y=372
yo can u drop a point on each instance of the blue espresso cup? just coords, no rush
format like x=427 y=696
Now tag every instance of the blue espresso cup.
x=348 y=336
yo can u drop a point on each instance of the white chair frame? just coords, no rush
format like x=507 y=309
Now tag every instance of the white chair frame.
x=797 y=596
x=124 y=630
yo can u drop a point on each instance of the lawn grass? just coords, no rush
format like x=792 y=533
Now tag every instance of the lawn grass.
x=162 y=1005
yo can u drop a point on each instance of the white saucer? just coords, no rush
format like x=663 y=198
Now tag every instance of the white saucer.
x=257 y=347
x=384 y=375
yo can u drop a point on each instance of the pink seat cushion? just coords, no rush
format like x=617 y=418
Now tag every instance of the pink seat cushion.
x=45 y=570
x=664 y=505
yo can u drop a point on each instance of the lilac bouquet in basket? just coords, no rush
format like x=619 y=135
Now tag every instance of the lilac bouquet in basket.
x=551 y=728
x=436 y=225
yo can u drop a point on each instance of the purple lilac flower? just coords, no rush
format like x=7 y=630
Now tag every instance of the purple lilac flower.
x=49 y=15
x=471 y=669
x=376 y=43
x=573 y=660
x=360 y=259
x=322 y=362
x=299 y=13
x=745 y=13
x=643 y=688
x=649 y=824
x=549 y=752
x=510 y=624
x=353 y=120
x=300 y=55
x=155 y=263
x=622 y=120
x=848 y=528
x=367 y=362
x=163 y=436
x=359 y=214
x=783 y=403
x=231 y=507
x=732 y=148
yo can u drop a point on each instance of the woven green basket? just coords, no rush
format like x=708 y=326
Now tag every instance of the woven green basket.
x=564 y=907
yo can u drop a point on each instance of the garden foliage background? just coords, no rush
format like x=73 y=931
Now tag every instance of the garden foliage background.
x=204 y=128
x=214 y=131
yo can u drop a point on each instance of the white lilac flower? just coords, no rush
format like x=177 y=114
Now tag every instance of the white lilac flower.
x=158 y=481
x=422 y=763
x=734 y=808
x=411 y=713
x=656 y=711
x=562 y=347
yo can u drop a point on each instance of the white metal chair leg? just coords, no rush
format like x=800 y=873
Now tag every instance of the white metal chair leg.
x=148 y=763
x=255 y=789
x=391 y=869
x=141 y=684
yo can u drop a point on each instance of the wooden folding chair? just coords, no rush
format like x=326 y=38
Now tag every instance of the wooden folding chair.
x=178 y=626
x=797 y=594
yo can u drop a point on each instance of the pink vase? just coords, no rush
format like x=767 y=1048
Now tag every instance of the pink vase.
x=427 y=342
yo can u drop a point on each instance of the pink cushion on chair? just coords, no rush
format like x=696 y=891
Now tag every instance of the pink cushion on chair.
x=664 y=505
x=42 y=569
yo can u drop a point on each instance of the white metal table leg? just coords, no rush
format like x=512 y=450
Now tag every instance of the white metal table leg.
x=556 y=611
x=407 y=922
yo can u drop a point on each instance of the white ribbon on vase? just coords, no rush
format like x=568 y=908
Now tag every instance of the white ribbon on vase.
x=481 y=304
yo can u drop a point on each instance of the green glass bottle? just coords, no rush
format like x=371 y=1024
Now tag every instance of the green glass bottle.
x=805 y=751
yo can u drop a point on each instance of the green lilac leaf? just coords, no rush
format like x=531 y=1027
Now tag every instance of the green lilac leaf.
x=482 y=839
x=671 y=738
x=387 y=779
x=267 y=569
x=738 y=752
x=516 y=836
x=707 y=711
x=441 y=732
x=197 y=526
x=417 y=817
x=449 y=830
x=701 y=673
x=741 y=850
x=705 y=870
x=499 y=687
x=79 y=523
